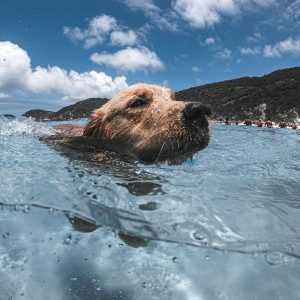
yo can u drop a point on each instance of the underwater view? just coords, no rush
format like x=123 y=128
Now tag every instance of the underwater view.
x=223 y=225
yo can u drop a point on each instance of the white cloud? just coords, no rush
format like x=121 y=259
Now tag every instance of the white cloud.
x=206 y=13
x=209 y=41
x=251 y=4
x=165 y=84
x=17 y=76
x=256 y=37
x=227 y=70
x=102 y=25
x=286 y=17
x=165 y=20
x=200 y=81
x=129 y=59
x=4 y=96
x=251 y=51
x=288 y=46
x=14 y=66
x=100 y=28
x=292 y=12
x=196 y=69
x=213 y=42
x=122 y=38
x=144 y=5
x=224 y=55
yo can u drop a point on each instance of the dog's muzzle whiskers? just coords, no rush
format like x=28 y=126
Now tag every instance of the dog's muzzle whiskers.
x=160 y=152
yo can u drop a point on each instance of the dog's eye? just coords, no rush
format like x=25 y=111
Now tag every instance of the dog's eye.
x=138 y=103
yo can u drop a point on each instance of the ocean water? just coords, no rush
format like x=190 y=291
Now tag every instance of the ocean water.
x=224 y=225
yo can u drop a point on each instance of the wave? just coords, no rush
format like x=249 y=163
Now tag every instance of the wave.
x=24 y=126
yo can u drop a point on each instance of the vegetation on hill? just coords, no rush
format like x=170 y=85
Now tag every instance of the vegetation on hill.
x=81 y=109
x=275 y=96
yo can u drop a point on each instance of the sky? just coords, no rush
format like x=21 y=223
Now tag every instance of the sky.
x=55 y=53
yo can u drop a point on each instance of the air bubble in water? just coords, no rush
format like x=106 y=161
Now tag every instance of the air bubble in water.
x=201 y=237
x=71 y=215
x=51 y=211
x=68 y=239
x=26 y=209
x=17 y=207
x=274 y=258
x=54 y=211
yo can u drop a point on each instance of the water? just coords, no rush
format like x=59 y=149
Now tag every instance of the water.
x=225 y=225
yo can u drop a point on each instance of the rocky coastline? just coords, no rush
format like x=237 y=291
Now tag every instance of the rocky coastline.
x=275 y=96
x=81 y=109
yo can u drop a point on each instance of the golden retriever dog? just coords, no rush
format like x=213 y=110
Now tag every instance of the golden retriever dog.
x=146 y=122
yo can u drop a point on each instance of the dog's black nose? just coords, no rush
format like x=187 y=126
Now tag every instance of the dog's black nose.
x=195 y=112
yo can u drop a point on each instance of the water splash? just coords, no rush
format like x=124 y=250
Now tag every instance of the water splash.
x=24 y=126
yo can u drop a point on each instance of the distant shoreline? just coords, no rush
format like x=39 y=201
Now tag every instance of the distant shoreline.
x=275 y=96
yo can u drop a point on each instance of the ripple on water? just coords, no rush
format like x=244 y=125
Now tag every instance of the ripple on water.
x=240 y=193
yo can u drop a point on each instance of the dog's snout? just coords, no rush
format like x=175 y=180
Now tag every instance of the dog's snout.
x=196 y=112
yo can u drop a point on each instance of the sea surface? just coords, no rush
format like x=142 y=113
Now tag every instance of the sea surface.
x=222 y=226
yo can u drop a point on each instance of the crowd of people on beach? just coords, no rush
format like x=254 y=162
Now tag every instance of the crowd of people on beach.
x=260 y=123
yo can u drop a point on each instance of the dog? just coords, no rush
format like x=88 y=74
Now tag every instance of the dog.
x=147 y=123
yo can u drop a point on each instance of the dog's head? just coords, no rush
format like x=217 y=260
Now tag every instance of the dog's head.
x=145 y=121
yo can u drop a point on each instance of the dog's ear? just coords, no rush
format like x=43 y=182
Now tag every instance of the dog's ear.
x=93 y=127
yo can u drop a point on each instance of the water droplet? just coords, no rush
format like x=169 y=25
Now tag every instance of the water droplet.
x=71 y=215
x=26 y=209
x=51 y=211
x=274 y=258
x=68 y=239
x=16 y=207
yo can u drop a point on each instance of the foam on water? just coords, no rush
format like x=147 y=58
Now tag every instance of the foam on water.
x=22 y=126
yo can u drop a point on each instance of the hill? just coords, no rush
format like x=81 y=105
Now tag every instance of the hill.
x=276 y=95
x=81 y=109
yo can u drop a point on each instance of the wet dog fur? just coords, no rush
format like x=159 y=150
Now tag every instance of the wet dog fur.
x=147 y=123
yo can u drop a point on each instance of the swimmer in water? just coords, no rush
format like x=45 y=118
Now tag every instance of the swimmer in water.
x=227 y=121
x=269 y=123
x=260 y=123
x=294 y=125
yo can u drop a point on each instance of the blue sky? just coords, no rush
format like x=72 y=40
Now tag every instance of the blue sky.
x=54 y=53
